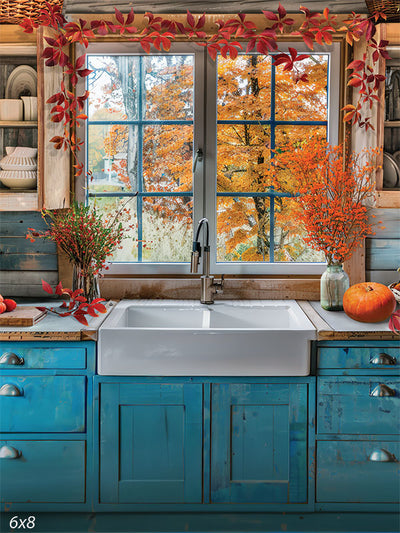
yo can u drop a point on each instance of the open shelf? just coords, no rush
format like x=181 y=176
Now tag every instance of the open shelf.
x=18 y=124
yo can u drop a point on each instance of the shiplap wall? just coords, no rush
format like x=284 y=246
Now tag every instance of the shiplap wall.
x=383 y=249
x=23 y=264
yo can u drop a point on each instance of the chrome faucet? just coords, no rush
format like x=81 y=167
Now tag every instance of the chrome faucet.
x=209 y=286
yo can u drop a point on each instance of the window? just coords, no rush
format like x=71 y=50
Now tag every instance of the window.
x=183 y=137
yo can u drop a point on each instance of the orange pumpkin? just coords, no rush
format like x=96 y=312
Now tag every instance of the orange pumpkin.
x=369 y=302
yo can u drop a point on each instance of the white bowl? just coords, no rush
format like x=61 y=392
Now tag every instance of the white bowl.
x=19 y=179
x=19 y=158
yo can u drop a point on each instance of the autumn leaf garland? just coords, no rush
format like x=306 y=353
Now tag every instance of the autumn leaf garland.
x=228 y=38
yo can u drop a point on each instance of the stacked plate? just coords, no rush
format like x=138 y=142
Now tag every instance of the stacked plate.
x=19 y=167
x=391 y=170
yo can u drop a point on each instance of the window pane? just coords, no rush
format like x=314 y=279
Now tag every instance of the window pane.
x=242 y=229
x=168 y=82
x=243 y=153
x=288 y=136
x=244 y=88
x=302 y=101
x=288 y=235
x=108 y=161
x=167 y=229
x=110 y=206
x=113 y=87
x=167 y=158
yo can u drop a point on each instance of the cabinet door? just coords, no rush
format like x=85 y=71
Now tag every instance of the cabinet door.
x=150 y=443
x=258 y=443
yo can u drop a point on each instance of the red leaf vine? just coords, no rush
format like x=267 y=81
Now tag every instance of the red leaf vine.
x=159 y=32
x=77 y=307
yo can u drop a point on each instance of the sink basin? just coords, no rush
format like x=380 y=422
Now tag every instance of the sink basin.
x=186 y=338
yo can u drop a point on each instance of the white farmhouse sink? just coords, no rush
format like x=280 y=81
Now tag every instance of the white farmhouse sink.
x=186 y=338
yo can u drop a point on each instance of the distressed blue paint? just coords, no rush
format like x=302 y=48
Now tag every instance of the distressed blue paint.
x=357 y=355
x=352 y=424
x=111 y=522
x=383 y=254
x=47 y=471
x=48 y=404
x=21 y=245
x=254 y=424
x=16 y=223
x=345 y=406
x=151 y=443
x=49 y=426
x=45 y=355
x=146 y=406
x=345 y=473
x=28 y=261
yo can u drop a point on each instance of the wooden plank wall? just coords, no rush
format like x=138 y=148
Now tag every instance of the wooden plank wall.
x=23 y=264
x=383 y=249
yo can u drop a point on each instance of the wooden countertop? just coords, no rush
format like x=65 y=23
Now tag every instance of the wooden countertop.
x=329 y=325
x=336 y=325
x=55 y=328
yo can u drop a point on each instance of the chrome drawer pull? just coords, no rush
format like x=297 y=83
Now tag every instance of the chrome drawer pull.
x=10 y=358
x=8 y=452
x=383 y=359
x=382 y=456
x=383 y=390
x=8 y=389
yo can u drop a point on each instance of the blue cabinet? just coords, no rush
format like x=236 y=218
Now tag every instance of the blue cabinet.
x=358 y=426
x=358 y=471
x=259 y=443
x=46 y=432
x=151 y=442
x=200 y=441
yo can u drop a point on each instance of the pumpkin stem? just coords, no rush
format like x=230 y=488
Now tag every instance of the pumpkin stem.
x=369 y=288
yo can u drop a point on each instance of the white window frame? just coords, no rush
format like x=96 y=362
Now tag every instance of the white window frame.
x=204 y=177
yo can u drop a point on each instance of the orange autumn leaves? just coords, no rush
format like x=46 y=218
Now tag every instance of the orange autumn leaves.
x=335 y=190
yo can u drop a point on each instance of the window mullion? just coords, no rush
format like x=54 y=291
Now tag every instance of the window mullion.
x=210 y=185
x=139 y=201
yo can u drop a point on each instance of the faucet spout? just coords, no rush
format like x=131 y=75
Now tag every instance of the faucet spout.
x=209 y=287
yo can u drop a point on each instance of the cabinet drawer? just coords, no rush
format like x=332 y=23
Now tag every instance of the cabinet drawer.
x=353 y=405
x=47 y=404
x=42 y=471
x=358 y=471
x=41 y=355
x=371 y=356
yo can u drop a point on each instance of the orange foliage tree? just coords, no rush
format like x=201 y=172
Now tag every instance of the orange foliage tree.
x=244 y=151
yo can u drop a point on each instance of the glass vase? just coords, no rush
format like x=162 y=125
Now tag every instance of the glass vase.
x=334 y=283
x=87 y=281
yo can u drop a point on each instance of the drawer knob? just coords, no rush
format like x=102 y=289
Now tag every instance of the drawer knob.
x=383 y=390
x=382 y=456
x=383 y=359
x=8 y=452
x=10 y=358
x=8 y=389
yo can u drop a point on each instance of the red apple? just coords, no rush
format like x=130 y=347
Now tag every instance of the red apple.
x=10 y=304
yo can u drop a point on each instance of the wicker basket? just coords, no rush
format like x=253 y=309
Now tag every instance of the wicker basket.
x=391 y=8
x=14 y=11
